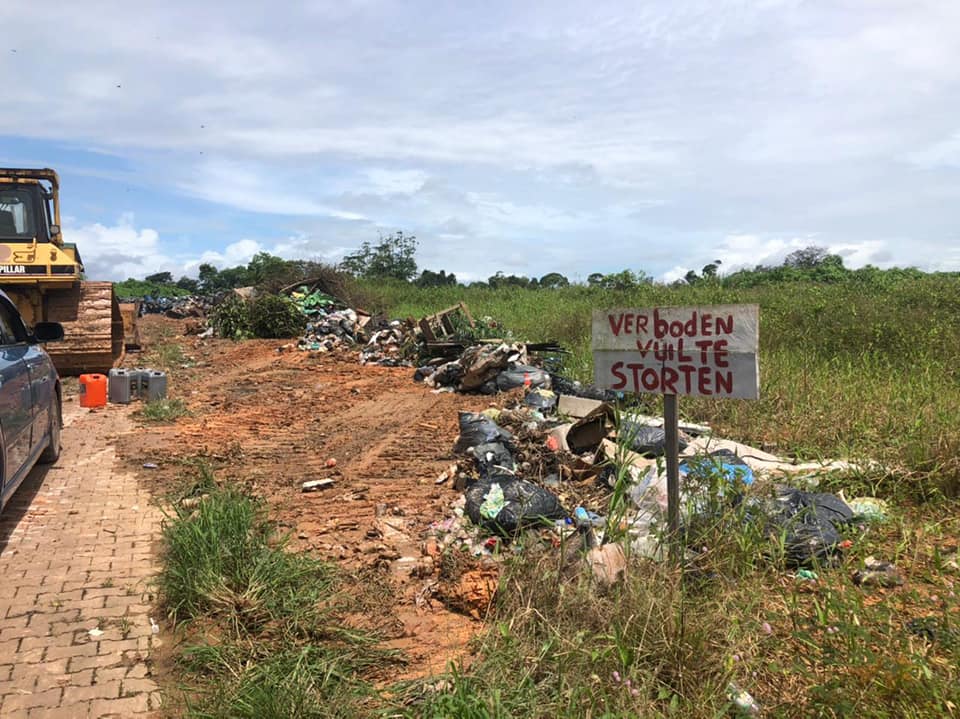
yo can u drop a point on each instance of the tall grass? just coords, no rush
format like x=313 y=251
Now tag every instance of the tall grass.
x=861 y=370
x=273 y=641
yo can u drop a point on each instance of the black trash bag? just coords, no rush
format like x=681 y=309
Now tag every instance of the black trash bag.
x=646 y=440
x=543 y=400
x=811 y=524
x=479 y=429
x=520 y=374
x=525 y=505
x=562 y=385
x=423 y=372
x=492 y=458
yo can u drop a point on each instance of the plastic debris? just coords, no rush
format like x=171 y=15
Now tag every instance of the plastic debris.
x=807 y=575
x=608 y=564
x=150 y=465
x=877 y=573
x=492 y=458
x=810 y=522
x=742 y=700
x=868 y=509
x=315 y=485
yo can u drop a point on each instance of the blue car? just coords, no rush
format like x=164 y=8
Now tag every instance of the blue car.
x=31 y=409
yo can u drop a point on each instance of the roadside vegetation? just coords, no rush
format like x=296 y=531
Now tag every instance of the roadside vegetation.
x=265 y=636
x=860 y=365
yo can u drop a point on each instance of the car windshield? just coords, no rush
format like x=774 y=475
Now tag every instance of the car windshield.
x=16 y=217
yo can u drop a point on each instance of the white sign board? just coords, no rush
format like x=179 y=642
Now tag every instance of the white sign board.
x=708 y=351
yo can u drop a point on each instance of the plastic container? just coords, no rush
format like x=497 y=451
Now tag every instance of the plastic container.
x=153 y=385
x=93 y=390
x=122 y=385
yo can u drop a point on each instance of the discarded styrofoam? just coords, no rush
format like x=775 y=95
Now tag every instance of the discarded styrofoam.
x=760 y=461
x=316 y=484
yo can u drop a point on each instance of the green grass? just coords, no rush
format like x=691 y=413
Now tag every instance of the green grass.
x=659 y=645
x=167 y=354
x=272 y=642
x=163 y=410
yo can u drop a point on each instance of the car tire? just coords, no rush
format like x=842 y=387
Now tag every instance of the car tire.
x=52 y=452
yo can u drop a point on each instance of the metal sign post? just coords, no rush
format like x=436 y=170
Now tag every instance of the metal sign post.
x=672 y=452
x=708 y=351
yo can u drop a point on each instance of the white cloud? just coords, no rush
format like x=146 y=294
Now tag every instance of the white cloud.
x=118 y=251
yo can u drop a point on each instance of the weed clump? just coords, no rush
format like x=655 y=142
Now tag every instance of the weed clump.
x=163 y=410
x=274 y=642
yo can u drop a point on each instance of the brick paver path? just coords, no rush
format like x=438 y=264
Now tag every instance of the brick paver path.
x=76 y=554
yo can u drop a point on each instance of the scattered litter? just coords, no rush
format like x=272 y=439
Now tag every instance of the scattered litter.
x=149 y=465
x=330 y=463
x=154 y=627
x=742 y=700
x=807 y=575
x=608 y=564
x=646 y=440
x=877 y=573
x=492 y=458
x=869 y=509
x=315 y=485
x=95 y=632
x=541 y=399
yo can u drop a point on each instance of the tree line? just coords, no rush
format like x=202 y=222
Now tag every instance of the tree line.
x=393 y=258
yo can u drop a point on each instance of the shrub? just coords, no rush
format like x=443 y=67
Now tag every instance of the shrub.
x=231 y=318
x=274 y=317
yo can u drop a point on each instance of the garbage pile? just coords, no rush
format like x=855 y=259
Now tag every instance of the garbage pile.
x=485 y=368
x=389 y=346
x=332 y=330
x=177 y=308
x=545 y=470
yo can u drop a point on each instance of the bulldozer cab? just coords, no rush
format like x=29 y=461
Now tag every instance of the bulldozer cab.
x=30 y=205
x=31 y=244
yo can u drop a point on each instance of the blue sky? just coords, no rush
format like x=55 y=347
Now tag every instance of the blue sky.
x=527 y=137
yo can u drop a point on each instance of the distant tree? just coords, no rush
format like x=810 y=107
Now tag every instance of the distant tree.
x=394 y=257
x=691 y=278
x=595 y=279
x=807 y=258
x=161 y=278
x=189 y=284
x=232 y=277
x=500 y=280
x=271 y=272
x=553 y=280
x=209 y=277
x=709 y=271
x=429 y=278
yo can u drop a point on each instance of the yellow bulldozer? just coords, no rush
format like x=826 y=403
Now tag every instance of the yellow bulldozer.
x=43 y=275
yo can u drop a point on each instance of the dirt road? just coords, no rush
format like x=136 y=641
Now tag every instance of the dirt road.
x=270 y=420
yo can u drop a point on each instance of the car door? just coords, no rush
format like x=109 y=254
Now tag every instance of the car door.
x=42 y=377
x=16 y=395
